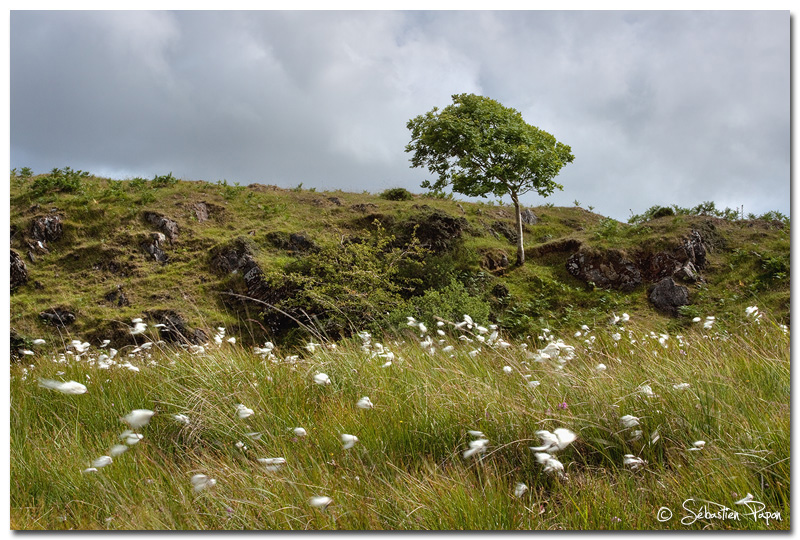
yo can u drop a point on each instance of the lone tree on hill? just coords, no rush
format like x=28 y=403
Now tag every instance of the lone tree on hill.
x=479 y=147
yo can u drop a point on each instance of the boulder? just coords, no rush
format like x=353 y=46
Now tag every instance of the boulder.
x=294 y=242
x=58 y=316
x=364 y=207
x=609 y=269
x=200 y=211
x=695 y=250
x=152 y=246
x=175 y=329
x=236 y=257
x=47 y=228
x=528 y=217
x=668 y=296
x=163 y=224
x=19 y=272
x=688 y=273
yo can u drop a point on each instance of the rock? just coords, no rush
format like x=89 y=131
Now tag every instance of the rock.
x=152 y=246
x=436 y=230
x=58 y=316
x=19 y=272
x=609 y=269
x=336 y=201
x=31 y=256
x=163 y=224
x=176 y=329
x=687 y=273
x=667 y=296
x=500 y=291
x=364 y=207
x=236 y=257
x=200 y=211
x=506 y=229
x=695 y=250
x=47 y=228
x=118 y=297
x=494 y=260
x=528 y=217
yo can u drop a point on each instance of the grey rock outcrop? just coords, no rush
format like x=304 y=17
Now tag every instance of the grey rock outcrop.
x=609 y=269
x=668 y=296
x=19 y=272
x=163 y=224
x=58 y=316
x=47 y=228
x=152 y=246
x=528 y=217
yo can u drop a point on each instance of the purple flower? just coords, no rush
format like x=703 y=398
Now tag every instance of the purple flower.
x=562 y=405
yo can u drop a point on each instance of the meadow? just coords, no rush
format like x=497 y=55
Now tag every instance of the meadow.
x=632 y=428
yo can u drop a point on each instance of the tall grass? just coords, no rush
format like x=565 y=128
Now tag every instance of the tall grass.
x=407 y=470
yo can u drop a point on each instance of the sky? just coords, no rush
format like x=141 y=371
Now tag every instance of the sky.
x=659 y=107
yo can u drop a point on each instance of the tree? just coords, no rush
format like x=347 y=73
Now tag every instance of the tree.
x=481 y=147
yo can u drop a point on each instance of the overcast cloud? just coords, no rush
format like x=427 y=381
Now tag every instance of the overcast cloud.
x=658 y=107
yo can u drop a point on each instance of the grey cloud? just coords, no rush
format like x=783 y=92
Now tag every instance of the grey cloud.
x=659 y=107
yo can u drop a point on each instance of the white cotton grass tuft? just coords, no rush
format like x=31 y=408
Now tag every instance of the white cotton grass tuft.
x=633 y=462
x=244 y=412
x=681 y=386
x=600 y=367
x=697 y=445
x=320 y=502
x=629 y=421
x=273 y=464
x=364 y=403
x=559 y=439
x=746 y=499
x=89 y=470
x=138 y=418
x=69 y=387
x=477 y=446
x=130 y=438
x=322 y=379
x=348 y=441
x=117 y=450
x=299 y=432
x=646 y=390
x=182 y=418
x=550 y=463
x=201 y=482
x=520 y=489
x=102 y=461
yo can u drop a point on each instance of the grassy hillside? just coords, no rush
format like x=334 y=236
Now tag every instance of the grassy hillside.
x=363 y=262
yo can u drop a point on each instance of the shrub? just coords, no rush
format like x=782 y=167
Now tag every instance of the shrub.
x=450 y=303
x=164 y=180
x=397 y=194
x=64 y=180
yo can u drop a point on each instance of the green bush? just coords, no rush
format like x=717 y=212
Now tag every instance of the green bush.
x=451 y=303
x=64 y=180
x=397 y=194
x=164 y=180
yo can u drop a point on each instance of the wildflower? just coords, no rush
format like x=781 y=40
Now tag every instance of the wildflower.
x=105 y=343
x=254 y=435
x=654 y=437
x=629 y=421
x=748 y=498
x=584 y=328
x=273 y=464
x=477 y=446
x=69 y=387
x=130 y=438
x=422 y=328
x=553 y=442
x=520 y=489
x=625 y=317
x=102 y=461
x=616 y=336
x=311 y=346
x=709 y=322
x=182 y=418
x=635 y=463
x=476 y=433
x=681 y=386
x=752 y=312
x=696 y=320
x=89 y=470
x=138 y=418
x=349 y=441
x=507 y=369
x=320 y=502
x=243 y=411
x=550 y=463
x=117 y=449
x=240 y=445
x=697 y=445
x=533 y=384
x=636 y=435
x=440 y=332
x=299 y=432
x=600 y=367
x=448 y=348
x=387 y=364
x=412 y=321
x=39 y=341
x=322 y=379
x=364 y=403
x=232 y=340
x=474 y=352
x=201 y=482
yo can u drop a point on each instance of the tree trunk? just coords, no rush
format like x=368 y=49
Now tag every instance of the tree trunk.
x=520 y=247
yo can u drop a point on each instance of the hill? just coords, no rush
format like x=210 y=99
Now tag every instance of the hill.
x=275 y=264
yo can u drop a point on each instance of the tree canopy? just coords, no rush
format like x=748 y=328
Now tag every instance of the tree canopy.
x=480 y=147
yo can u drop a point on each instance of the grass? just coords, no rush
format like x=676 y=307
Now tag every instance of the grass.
x=407 y=470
